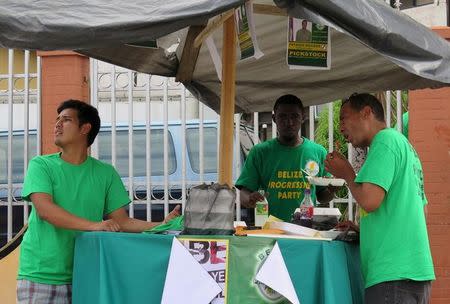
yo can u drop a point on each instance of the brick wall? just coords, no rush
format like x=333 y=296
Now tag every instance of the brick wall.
x=429 y=132
x=65 y=76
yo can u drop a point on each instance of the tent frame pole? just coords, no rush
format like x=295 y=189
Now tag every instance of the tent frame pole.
x=227 y=103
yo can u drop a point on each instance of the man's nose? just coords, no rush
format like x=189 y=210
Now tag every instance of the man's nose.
x=291 y=121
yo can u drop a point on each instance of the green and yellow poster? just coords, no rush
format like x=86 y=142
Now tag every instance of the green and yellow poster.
x=308 y=45
x=248 y=45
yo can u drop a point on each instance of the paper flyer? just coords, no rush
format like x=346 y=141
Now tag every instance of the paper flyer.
x=180 y=287
x=245 y=29
x=275 y=275
x=308 y=45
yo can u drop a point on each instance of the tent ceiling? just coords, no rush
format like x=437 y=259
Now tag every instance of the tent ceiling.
x=373 y=47
x=354 y=68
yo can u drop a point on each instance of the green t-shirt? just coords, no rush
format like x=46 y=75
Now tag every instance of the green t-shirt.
x=276 y=169
x=394 y=241
x=89 y=190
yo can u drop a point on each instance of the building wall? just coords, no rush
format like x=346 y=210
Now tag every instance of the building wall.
x=430 y=15
x=65 y=76
x=429 y=132
x=18 y=68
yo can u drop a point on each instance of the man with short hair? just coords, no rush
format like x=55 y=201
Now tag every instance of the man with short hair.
x=395 y=254
x=277 y=166
x=70 y=192
x=303 y=34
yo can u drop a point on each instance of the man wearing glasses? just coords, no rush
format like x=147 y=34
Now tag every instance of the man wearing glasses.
x=277 y=166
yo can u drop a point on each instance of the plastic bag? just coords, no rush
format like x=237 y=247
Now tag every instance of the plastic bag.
x=210 y=210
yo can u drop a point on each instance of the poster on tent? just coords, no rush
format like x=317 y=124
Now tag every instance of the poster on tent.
x=212 y=255
x=308 y=45
x=245 y=29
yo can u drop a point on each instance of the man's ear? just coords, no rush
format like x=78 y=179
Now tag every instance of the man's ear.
x=273 y=118
x=86 y=128
x=366 y=112
x=305 y=114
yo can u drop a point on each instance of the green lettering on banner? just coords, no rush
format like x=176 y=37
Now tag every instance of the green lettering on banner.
x=308 y=58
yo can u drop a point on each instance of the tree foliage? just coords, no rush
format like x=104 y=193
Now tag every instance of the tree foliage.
x=322 y=134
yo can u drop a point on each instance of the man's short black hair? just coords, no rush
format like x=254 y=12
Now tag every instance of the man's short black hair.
x=358 y=101
x=288 y=99
x=86 y=114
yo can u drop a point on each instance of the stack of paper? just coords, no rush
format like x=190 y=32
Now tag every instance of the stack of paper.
x=293 y=229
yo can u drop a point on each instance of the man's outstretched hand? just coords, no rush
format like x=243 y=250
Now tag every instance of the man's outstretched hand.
x=347 y=225
x=173 y=214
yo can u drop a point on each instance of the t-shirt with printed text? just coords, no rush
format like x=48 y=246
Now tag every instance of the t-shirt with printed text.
x=277 y=169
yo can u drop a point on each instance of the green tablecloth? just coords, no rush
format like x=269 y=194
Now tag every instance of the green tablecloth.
x=131 y=268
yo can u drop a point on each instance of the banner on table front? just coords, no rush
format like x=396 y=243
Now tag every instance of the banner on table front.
x=212 y=255
x=234 y=263
x=247 y=255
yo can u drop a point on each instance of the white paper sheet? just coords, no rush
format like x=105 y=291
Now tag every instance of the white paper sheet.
x=186 y=280
x=274 y=274
x=214 y=56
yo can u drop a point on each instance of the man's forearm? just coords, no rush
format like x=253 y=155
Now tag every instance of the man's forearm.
x=356 y=189
x=135 y=225
x=244 y=195
x=61 y=218
x=364 y=195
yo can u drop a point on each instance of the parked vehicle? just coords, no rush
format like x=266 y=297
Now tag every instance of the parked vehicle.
x=193 y=175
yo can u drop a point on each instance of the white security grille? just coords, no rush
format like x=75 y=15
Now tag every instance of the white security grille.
x=159 y=137
x=19 y=133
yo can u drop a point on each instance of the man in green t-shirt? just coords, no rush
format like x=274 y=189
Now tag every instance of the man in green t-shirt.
x=70 y=192
x=396 y=260
x=276 y=166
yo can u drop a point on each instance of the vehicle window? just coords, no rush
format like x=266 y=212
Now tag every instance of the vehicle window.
x=139 y=159
x=209 y=149
x=17 y=157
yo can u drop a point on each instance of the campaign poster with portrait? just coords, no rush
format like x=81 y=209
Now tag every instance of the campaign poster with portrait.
x=308 y=45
